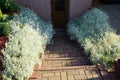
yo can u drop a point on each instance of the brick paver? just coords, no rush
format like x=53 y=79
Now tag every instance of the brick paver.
x=74 y=74
x=65 y=60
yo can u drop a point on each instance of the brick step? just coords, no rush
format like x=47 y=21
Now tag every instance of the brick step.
x=65 y=58
x=66 y=62
x=63 y=54
x=59 y=44
x=62 y=51
x=63 y=39
x=96 y=72
x=45 y=68
x=60 y=30
x=86 y=73
x=60 y=36
x=64 y=43
x=64 y=48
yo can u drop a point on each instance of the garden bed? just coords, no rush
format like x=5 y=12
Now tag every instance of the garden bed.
x=93 y=32
x=28 y=37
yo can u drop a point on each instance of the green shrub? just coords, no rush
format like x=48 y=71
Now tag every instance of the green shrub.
x=4 y=26
x=3 y=17
x=4 y=29
x=8 y=6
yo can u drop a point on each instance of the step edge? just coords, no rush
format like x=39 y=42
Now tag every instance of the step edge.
x=65 y=58
x=67 y=68
x=63 y=51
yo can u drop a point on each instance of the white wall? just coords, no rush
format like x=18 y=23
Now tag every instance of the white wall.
x=77 y=7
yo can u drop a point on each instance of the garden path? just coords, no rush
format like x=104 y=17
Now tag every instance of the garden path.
x=65 y=60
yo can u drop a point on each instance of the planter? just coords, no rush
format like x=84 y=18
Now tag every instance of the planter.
x=117 y=67
x=3 y=40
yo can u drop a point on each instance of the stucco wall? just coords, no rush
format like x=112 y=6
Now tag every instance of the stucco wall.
x=77 y=7
x=41 y=7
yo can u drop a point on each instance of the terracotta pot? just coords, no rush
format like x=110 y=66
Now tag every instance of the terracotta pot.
x=3 y=40
x=1 y=63
x=117 y=67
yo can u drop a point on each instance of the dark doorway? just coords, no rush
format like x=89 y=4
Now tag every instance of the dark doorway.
x=59 y=13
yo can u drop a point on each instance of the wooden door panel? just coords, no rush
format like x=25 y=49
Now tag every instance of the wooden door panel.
x=59 y=13
x=59 y=20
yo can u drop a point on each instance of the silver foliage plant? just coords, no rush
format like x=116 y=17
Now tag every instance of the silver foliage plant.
x=93 y=32
x=28 y=39
x=91 y=25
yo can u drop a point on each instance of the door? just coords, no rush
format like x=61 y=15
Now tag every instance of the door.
x=59 y=13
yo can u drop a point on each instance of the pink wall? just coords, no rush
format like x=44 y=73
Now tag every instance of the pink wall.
x=41 y=7
x=77 y=7
x=21 y=2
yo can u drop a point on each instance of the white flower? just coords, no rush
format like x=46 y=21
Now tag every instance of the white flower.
x=28 y=35
x=94 y=33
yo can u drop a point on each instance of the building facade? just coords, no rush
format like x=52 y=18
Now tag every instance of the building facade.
x=57 y=11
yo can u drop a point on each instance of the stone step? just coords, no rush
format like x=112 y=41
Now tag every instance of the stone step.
x=46 y=68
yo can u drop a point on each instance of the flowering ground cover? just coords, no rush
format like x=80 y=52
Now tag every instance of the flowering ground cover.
x=28 y=38
x=93 y=32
